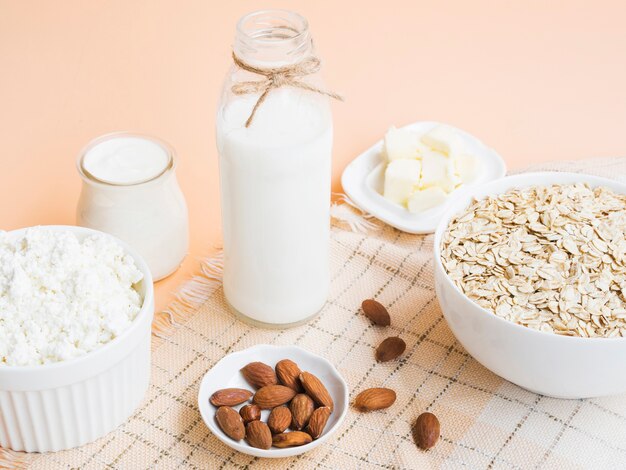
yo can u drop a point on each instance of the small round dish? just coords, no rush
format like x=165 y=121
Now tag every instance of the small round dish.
x=226 y=374
x=363 y=181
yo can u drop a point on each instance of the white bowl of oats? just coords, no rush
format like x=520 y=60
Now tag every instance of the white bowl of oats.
x=530 y=273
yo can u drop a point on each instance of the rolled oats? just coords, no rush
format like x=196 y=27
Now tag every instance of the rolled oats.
x=551 y=258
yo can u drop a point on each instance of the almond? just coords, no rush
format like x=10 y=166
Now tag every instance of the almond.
x=302 y=407
x=316 y=390
x=272 y=396
x=426 y=431
x=259 y=374
x=288 y=373
x=376 y=312
x=230 y=397
x=258 y=435
x=375 y=399
x=230 y=422
x=318 y=421
x=279 y=419
x=250 y=413
x=390 y=348
x=291 y=439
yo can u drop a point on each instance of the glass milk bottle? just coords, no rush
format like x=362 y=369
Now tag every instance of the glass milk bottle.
x=274 y=138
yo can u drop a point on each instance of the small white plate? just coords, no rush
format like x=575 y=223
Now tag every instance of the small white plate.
x=226 y=374
x=363 y=181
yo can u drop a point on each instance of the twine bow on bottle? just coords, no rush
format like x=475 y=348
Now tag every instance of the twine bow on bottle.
x=277 y=77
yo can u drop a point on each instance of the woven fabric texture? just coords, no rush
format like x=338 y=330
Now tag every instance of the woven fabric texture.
x=486 y=422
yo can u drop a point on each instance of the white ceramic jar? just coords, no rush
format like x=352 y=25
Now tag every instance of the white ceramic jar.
x=66 y=404
x=130 y=191
x=275 y=177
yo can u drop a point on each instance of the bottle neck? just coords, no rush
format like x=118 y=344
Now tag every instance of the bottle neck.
x=273 y=38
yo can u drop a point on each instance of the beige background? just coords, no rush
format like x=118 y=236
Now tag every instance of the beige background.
x=536 y=80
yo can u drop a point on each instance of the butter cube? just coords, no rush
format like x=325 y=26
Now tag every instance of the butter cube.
x=402 y=177
x=467 y=167
x=439 y=171
x=444 y=139
x=425 y=199
x=400 y=143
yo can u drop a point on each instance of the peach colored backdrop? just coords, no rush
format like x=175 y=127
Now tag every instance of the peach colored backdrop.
x=536 y=80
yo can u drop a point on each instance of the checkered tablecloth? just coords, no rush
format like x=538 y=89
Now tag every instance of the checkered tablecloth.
x=486 y=422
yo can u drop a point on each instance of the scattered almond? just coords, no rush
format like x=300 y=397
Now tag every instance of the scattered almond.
x=390 y=348
x=250 y=413
x=318 y=421
x=258 y=435
x=279 y=419
x=302 y=407
x=230 y=397
x=230 y=422
x=272 y=396
x=316 y=390
x=259 y=374
x=291 y=439
x=376 y=312
x=288 y=373
x=375 y=399
x=426 y=431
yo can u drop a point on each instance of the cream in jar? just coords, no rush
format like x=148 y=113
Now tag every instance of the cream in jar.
x=130 y=191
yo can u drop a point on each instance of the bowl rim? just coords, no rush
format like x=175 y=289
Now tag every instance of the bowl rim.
x=102 y=350
x=276 y=452
x=469 y=196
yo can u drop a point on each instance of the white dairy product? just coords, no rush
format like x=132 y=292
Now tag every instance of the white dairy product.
x=438 y=170
x=275 y=190
x=423 y=169
x=400 y=143
x=126 y=160
x=402 y=177
x=424 y=199
x=60 y=297
x=130 y=190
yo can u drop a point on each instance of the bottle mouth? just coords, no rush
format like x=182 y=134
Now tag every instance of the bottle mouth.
x=168 y=164
x=272 y=25
x=272 y=36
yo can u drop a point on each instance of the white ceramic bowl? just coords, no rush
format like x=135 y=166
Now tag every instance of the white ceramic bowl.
x=226 y=374
x=364 y=178
x=67 y=404
x=545 y=363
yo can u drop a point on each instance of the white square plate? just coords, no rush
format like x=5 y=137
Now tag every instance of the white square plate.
x=363 y=181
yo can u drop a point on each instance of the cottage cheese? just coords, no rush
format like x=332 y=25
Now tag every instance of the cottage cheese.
x=60 y=297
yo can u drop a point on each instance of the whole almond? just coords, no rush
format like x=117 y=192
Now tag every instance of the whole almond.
x=301 y=407
x=426 y=431
x=390 y=348
x=374 y=399
x=316 y=390
x=288 y=374
x=230 y=422
x=250 y=413
x=258 y=435
x=318 y=421
x=230 y=397
x=376 y=312
x=259 y=374
x=291 y=439
x=272 y=396
x=279 y=419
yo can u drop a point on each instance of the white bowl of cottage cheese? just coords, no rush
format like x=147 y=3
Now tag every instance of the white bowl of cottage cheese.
x=76 y=308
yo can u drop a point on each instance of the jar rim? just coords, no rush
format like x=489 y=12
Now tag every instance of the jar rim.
x=88 y=176
x=276 y=13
